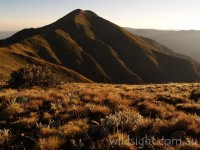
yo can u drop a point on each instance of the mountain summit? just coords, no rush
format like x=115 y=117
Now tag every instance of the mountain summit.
x=97 y=49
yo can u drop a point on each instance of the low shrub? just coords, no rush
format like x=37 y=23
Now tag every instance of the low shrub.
x=34 y=75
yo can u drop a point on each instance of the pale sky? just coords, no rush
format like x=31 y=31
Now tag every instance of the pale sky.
x=155 y=14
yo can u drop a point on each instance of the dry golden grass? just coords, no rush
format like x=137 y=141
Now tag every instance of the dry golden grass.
x=74 y=128
x=47 y=131
x=60 y=118
x=50 y=143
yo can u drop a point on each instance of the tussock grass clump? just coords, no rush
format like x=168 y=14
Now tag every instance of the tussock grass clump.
x=97 y=110
x=5 y=136
x=33 y=75
x=189 y=108
x=47 y=131
x=11 y=110
x=74 y=128
x=155 y=110
x=171 y=99
x=50 y=143
x=187 y=123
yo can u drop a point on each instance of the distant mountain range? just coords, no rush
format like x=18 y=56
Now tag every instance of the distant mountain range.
x=87 y=47
x=183 y=42
x=6 y=34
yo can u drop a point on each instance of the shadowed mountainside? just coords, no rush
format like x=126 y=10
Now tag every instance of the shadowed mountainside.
x=97 y=49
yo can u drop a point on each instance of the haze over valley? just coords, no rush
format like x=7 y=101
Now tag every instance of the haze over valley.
x=185 y=42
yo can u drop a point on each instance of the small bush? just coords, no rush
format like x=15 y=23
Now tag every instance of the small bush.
x=33 y=75
x=126 y=121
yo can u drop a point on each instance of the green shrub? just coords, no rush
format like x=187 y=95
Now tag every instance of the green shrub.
x=34 y=75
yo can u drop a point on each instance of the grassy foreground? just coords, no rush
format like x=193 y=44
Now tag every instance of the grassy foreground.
x=101 y=116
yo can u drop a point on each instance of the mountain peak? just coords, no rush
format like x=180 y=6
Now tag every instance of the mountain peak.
x=80 y=11
x=91 y=13
x=76 y=12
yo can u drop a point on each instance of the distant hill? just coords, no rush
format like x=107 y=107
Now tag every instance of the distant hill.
x=4 y=35
x=97 y=49
x=184 y=42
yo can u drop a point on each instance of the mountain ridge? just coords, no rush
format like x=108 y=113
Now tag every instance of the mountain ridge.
x=101 y=51
x=186 y=42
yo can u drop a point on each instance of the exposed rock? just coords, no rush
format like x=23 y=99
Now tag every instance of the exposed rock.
x=97 y=131
x=179 y=135
x=195 y=95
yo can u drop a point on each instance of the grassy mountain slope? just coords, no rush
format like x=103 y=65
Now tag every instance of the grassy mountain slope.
x=11 y=59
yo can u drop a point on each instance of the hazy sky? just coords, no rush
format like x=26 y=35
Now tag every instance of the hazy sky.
x=157 y=14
